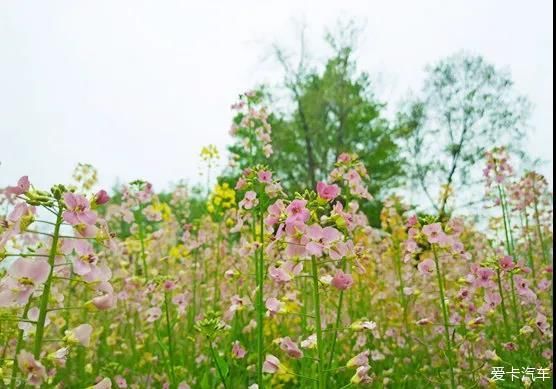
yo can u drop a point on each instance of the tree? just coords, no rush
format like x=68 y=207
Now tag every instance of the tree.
x=333 y=111
x=468 y=106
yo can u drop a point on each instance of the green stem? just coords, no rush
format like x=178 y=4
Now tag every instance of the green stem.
x=216 y=273
x=336 y=326
x=502 y=302
x=445 y=318
x=318 y=323
x=529 y=246
x=539 y=232
x=142 y=240
x=509 y=249
x=213 y=354
x=403 y=300
x=170 y=340
x=19 y=344
x=46 y=290
x=259 y=269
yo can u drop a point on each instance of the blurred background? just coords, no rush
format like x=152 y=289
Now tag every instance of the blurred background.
x=420 y=90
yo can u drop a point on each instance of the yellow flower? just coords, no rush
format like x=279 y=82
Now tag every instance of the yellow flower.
x=209 y=152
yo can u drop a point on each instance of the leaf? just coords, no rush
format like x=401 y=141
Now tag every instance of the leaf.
x=205 y=382
x=223 y=365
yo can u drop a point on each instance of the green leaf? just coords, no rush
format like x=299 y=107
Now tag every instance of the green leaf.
x=223 y=365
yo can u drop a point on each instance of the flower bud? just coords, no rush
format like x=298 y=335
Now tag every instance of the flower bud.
x=101 y=197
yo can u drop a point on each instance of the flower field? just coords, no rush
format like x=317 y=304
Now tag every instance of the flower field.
x=271 y=289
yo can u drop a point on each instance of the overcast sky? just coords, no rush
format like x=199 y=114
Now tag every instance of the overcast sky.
x=138 y=87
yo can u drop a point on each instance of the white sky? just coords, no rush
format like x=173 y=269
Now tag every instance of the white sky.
x=138 y=87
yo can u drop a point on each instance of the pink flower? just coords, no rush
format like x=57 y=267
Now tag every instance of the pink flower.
x=240 y=184
x=426 y=267
x=363 y=325
x=22 y=187
x=16 y=222
x=31 y=368
x=361 y=375
x=105 y=383
x=267 y=150
x=153 y=314
x=295 y=239
x=86 y=260
x=265 y=177
x=273 y=305
x=297 y=212
x=492 y=299
x=120 y=382
x=338 y=209
x=342 y=280
x=273 y=189
x=101 y=197
x=506 y=263
x=510 y=346
x=411 y=246
x=327 y=239
x=24 y=276
x=81 y=334
x=411 y=221
x=286 y=272
x=107 y=299
x=20 y=211
x=456 y=226
x=522 y=288
x=433 y=233
x=328 y=192
x=237 y=304
x=274 y=212
x=310 y=342
x=249 y=200
x=344 y=158
x=78 y=210
x=542 y=323
x=289 y=346
x=271 y=364
x=181 y=301
x=238 y=351
x=484 y=278
x=361 y=359
x=169 y=285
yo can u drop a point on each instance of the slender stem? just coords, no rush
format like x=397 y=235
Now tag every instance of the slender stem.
x=529 y=246
x=506 y=227
x=318 y=323
x=170 y=340
x=25 y=255
x=213 y=354
x=299 y=375
x=142 y=239
x=336 y=326
x=509 y=249
x=445 y=318
x=502 y=302
x=259 y=258
x=217 y=272
x=19 y=344
x=46 y=290
x=539 y=232
x=403 y=300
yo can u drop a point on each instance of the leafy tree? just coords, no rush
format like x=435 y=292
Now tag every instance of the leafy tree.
x=334 y=111
x=467 y=107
